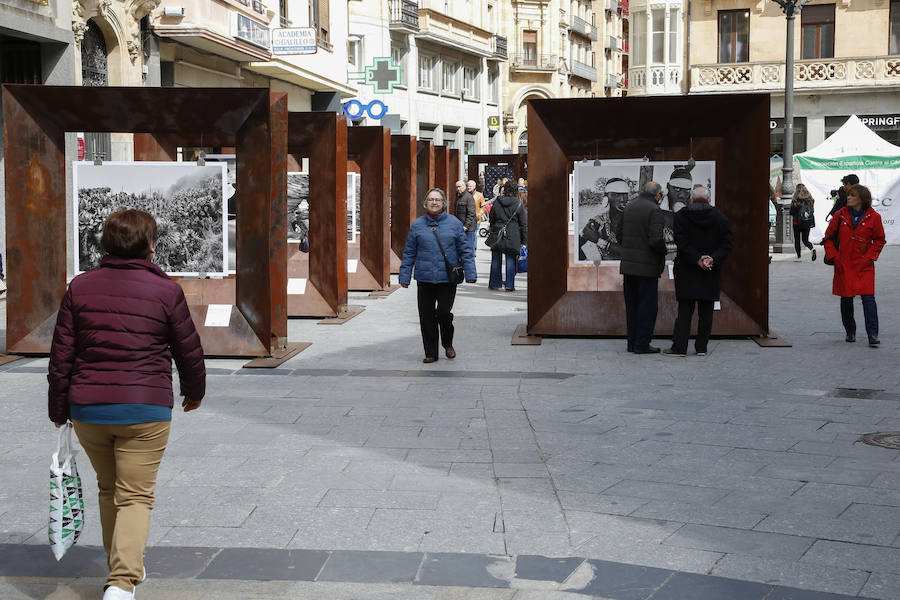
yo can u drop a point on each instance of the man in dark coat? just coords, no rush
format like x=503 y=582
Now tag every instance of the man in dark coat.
x=465 y=211
x=841 y=202
x=643 y=259
x=704 y=239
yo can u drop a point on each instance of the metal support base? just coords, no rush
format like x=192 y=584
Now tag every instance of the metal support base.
x=278 y=358
x=343 y=316
x=521 y=337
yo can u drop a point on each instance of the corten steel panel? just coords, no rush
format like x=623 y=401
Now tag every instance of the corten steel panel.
x=322 y=136
x=149 y=146
x=403 y=191
x=455 y=166
x=424 y=173
x=36 y=118
x=370 y=147
x=732 y=130
x=442 y=177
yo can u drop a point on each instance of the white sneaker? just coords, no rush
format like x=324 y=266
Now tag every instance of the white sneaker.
x=117 y=593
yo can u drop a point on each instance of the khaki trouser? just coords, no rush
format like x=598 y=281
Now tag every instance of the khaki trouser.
x=126 y=459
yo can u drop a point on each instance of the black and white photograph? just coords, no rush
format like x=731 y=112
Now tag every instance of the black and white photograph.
x=187 y=201
x=602 y=190
x=298 y=207
x=231 y=200
x=354 y=181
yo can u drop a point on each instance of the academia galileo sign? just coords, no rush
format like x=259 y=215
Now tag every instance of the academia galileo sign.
x=294 y=40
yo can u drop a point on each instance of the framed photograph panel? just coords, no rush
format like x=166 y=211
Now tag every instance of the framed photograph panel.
x=188 y=202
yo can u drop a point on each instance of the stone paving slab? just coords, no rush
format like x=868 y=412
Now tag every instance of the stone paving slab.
x=559 y=450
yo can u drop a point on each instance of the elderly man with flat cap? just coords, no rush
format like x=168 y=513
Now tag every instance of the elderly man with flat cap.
x=598 y=238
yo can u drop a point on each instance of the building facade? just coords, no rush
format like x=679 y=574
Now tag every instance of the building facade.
x=434 y=65
x=612 y=48
x=847 y=61
x=656 y=49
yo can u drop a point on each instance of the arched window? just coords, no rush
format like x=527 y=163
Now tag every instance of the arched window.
x=93 y=57
x=523 y=142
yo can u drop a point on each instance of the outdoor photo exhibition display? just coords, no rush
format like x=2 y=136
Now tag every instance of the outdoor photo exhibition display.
x=298 y=206
x=231 y=202
x=187 y=200
x=602 y=189
x=856 y=149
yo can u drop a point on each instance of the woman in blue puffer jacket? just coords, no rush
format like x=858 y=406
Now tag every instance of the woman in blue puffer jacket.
x=436 y=293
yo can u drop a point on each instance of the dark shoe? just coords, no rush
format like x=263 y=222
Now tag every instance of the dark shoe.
x=814 y=255
x=873 y=341
x=701 y=352
x=673 y=352
x=450 y=352
x=493 y=289
x=429 y=359
x=851 y=337
x=647 y=350
x=510 y=289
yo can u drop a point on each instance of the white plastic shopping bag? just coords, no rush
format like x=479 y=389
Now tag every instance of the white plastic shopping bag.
x=66 y=500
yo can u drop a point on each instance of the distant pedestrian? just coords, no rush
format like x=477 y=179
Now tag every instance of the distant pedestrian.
x=117 y=331
x=465 y=210
x=853 y=241
x=703 y=237
x=508 y=233
x=424 y=257
x=472 y=188
x=643 y=260
x=841 y=202
x=803 y=218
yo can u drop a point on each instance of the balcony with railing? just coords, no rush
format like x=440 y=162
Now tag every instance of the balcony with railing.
x=579 y=69
x=655 y=79
x=499 y=46
x=533 y=62
x=611 y=81
x=808 y=74
x=611 y=43
x=583 y=28
x=623 y=6
x=404 y=14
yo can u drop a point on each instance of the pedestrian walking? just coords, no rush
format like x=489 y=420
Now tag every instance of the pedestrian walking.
x=802 y=219
x=465 y=210
x=846 y=182
x=643 y=260
x=703 y=237
x=508 y=233
x=436 y=242
x=117 y=331
x=853 y=242
x=472 y=188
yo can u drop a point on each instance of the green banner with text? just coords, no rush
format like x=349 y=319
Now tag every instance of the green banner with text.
x=849 y=162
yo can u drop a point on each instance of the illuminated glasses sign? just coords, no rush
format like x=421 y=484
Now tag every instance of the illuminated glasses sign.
x=354 y=109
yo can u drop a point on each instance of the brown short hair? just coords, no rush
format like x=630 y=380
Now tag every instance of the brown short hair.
x=129 y=234
x=864 y=194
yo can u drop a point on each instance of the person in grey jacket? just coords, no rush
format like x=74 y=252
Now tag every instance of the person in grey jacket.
x=422 y=256
x=643 y=260
x=465 y=211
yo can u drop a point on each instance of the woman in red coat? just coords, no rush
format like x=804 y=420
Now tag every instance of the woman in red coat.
x=859 y=234
x=117 y=331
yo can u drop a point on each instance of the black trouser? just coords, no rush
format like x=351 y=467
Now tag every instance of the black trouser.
x=798 y=233
x=683 y=325
x=870 y=314
x=640 y=309
x=435 y=304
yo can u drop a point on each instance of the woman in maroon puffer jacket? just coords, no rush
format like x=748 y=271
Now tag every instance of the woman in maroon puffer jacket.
x=117 y=331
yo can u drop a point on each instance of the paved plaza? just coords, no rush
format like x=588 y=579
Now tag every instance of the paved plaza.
x=567 y=470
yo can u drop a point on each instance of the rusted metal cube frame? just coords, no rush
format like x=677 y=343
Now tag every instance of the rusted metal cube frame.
x=515 y=161
x=730 y=129
x=455 y=167
x=403 y=194
x=370 y=147
x=442 y=178
x=322 y=137
x=36 y=119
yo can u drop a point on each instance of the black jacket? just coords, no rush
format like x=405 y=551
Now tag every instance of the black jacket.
x=465 y=210
x=700 y=230
x=840 y=203
x=802 y=215
x=641 y=234
x=509 y=208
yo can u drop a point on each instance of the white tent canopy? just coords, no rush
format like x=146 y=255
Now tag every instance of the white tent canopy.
x=854 y=148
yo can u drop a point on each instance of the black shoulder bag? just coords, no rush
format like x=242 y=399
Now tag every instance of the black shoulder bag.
x=834 y=240
x=495 y=237
x=456 y=275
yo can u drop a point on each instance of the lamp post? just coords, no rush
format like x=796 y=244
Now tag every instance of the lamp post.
x=783 y=230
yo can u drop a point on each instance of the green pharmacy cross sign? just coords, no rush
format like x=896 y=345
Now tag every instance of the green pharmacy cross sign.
x=382 y=74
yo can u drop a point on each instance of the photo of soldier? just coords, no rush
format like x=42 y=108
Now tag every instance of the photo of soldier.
x=599 y=238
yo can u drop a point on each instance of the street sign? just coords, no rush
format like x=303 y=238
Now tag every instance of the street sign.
x=294 y=40
x=493 y=123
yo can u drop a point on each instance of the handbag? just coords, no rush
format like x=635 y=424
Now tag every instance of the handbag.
x=455 y=275
x=834 y=240
x=495 y=237
x=66 y=498
x=522 y=261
